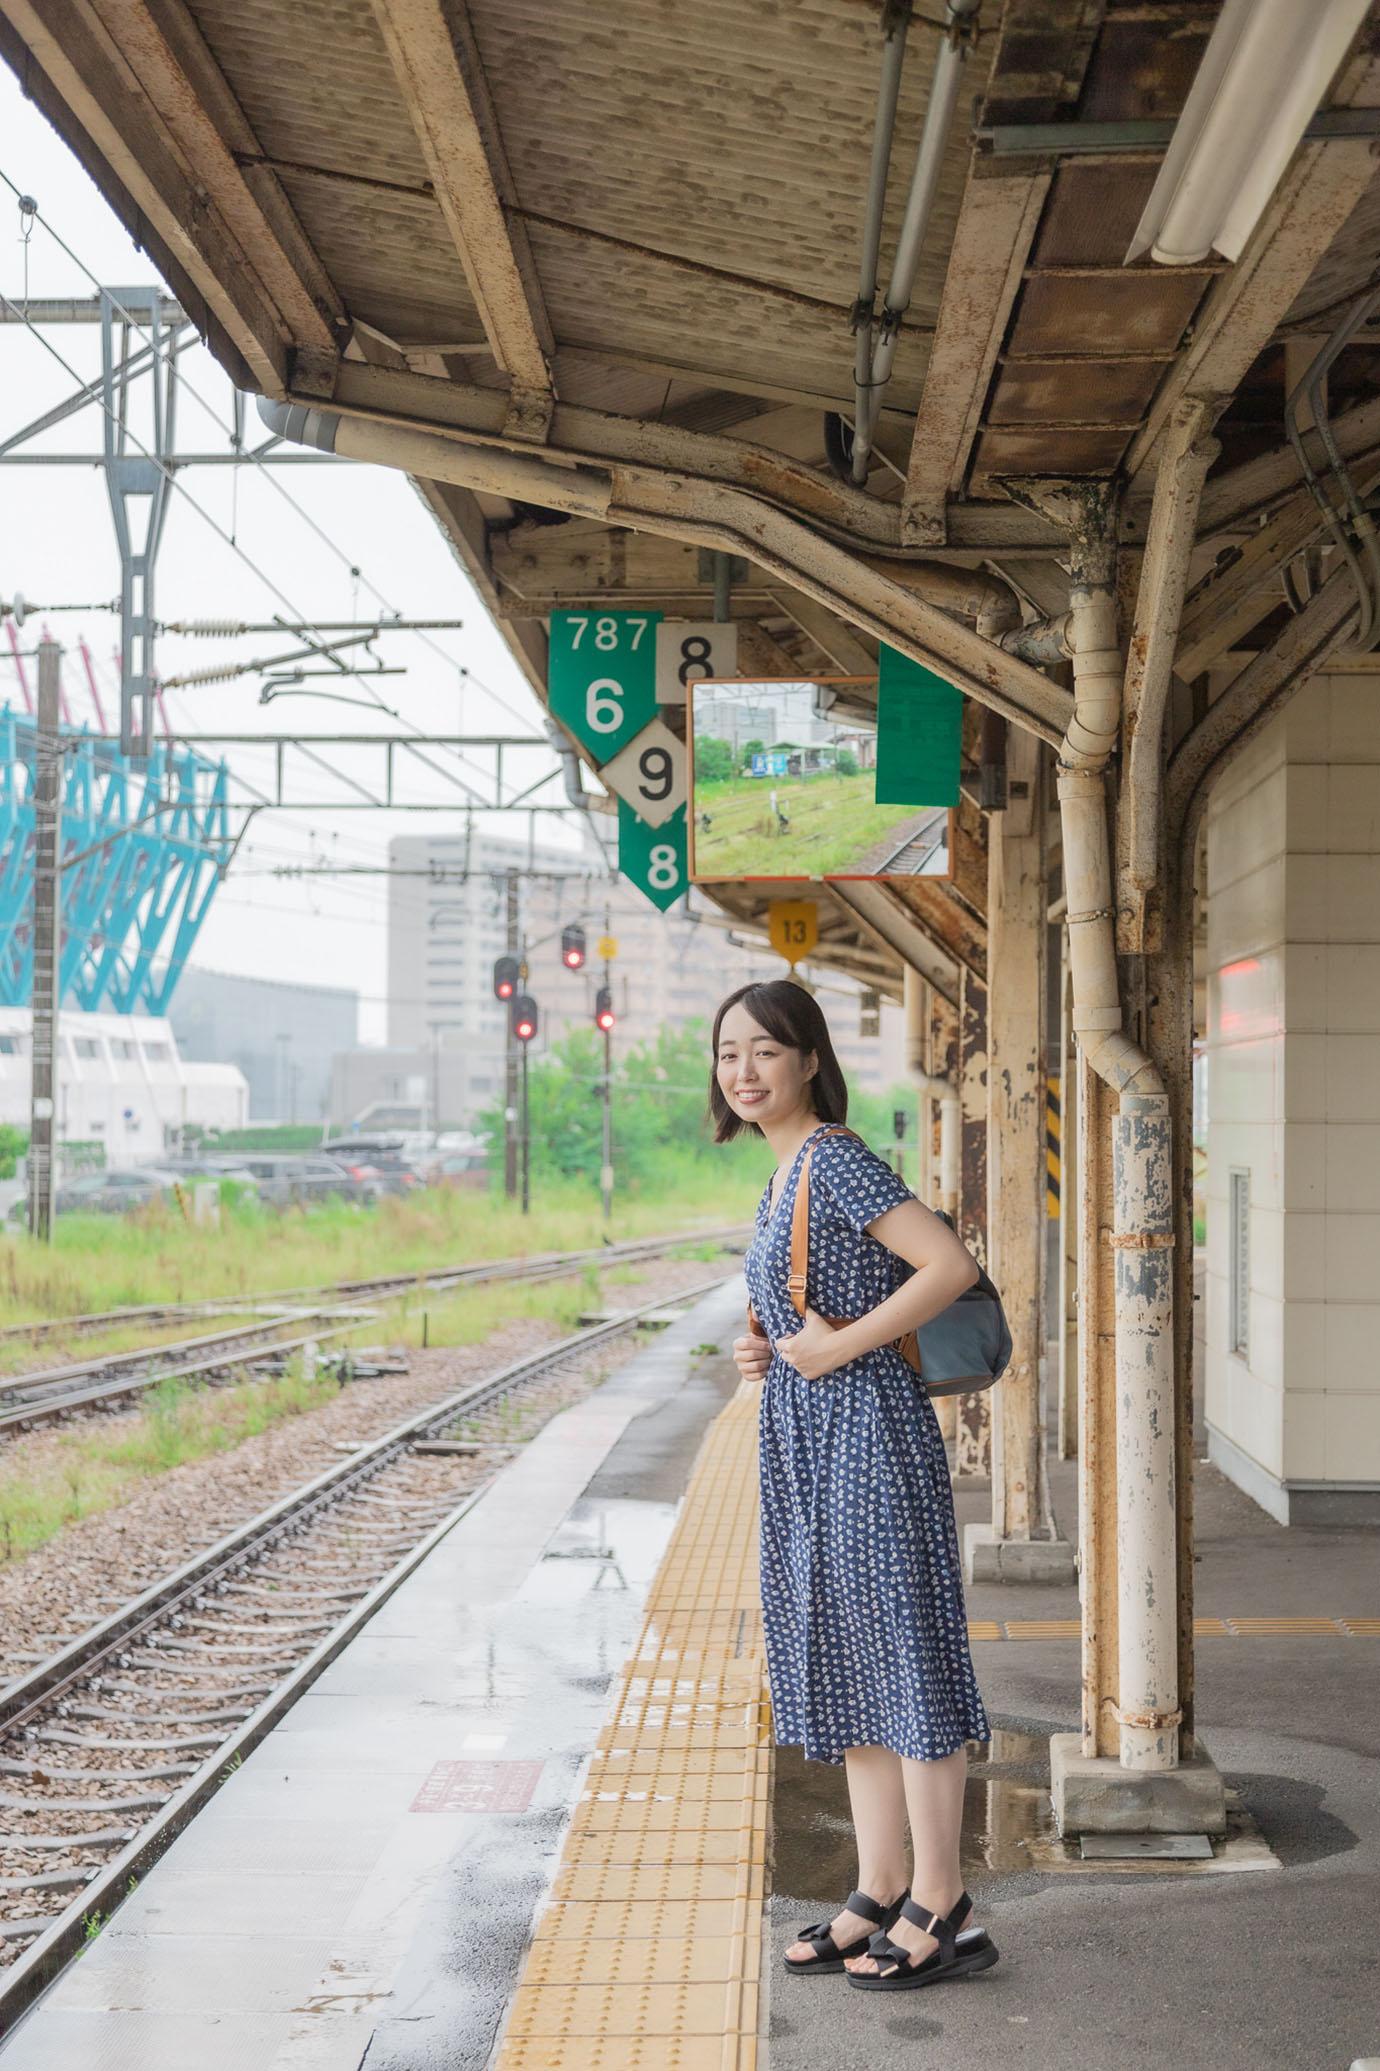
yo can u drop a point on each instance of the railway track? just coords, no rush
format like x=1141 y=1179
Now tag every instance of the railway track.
x=52 y=1393
x=541 y=1264
x=912 y=857
x=112 y=1743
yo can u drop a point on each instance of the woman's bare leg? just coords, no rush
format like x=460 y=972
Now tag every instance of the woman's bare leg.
x=934 y=1800
x=876 y=1791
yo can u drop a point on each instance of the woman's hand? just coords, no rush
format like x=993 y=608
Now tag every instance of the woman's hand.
x=752 y=1356
x=814 y=1349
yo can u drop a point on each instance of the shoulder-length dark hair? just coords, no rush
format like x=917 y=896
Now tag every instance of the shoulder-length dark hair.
x=792 y=1017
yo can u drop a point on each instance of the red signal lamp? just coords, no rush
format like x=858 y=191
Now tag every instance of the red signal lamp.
x=603 y=1009
x=524 y=1017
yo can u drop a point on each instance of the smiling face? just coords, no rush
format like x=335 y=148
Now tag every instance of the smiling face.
x=764 y=1082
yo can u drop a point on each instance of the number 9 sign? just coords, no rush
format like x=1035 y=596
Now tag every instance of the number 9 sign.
x=649 y=774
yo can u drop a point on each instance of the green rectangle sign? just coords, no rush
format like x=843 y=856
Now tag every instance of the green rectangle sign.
x=601 y=676
x=919 y=733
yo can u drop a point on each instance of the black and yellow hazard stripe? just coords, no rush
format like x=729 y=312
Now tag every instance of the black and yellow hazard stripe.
x=1053 y=1126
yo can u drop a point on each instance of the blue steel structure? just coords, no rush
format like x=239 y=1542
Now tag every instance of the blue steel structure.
x=145 y=844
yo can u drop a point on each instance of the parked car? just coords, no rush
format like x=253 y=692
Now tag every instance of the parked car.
x=211 y=1167
x=106 y=1193
x=283 y=1179
x=468 y=1168
x=385 y=1156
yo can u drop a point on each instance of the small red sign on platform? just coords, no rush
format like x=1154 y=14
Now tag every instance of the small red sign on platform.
x=478 y=1787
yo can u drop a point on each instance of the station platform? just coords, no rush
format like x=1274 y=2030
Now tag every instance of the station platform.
x=533 y=1820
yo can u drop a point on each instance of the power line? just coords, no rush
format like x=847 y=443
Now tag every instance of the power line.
x=355 y=568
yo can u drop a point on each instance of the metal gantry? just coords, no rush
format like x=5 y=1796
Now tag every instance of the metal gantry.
x=144 y=846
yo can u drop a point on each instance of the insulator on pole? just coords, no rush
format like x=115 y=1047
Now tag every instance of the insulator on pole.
x=206 y=628
x=220 y=673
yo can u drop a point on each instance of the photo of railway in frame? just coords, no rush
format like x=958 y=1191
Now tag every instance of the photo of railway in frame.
x=783 y=785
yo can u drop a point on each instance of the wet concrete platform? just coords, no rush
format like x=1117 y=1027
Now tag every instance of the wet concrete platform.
x=363 y=1888
x=1264 y=1959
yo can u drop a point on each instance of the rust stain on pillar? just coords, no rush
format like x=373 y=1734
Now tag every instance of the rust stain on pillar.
x=974 y=1456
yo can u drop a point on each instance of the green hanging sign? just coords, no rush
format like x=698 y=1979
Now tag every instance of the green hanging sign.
x=653 y=858
x=919 y=733
x=601 y=676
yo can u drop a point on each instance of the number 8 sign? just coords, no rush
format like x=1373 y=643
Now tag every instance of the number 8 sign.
x=653 y=858
x=601 y=676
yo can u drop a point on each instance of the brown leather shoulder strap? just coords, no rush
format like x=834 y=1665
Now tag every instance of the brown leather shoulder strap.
x=800 y=1223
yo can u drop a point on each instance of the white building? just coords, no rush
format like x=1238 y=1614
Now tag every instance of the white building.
x=120 y=1084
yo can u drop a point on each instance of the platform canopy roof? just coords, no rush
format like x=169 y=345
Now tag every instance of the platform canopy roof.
x=611 y=254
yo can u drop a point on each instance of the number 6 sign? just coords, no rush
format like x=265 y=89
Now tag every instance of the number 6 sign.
x=601 y=676
x=650 y=774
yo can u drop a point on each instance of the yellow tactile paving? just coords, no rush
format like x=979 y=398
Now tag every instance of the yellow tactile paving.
x=632 y=2053
x=649 y=1950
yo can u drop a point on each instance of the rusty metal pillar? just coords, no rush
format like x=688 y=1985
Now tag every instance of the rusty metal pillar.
x=974 y=1435
x=1068 y=1222
x=1018 y=1545
x=943 y=1064
x=1169 y=1039
x=1097 y=1491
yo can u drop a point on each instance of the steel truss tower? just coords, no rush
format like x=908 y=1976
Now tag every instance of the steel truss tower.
x=144 y=845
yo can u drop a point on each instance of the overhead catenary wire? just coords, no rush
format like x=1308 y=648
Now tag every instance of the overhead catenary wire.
x=228 y=537
x=355 y=569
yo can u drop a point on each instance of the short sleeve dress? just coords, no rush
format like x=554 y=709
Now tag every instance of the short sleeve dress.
x=862 y=1588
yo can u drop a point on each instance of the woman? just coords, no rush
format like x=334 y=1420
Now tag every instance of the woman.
x=862 y=1592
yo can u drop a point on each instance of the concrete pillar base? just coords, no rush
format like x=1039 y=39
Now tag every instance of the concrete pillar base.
x=990 y=1558
x=1093 y=1794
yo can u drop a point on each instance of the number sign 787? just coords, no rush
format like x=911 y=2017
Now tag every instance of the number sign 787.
x=602 y=675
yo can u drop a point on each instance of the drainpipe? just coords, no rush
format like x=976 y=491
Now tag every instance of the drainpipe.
x=1149 y=1712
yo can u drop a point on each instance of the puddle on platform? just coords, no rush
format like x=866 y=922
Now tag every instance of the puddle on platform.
x=611 y=1544
x=1008 y=1823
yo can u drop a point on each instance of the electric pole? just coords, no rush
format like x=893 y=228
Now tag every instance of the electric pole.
x=47 y=939
x=510 y=1056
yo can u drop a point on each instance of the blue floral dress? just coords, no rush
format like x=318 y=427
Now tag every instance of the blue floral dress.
x=862 y=1586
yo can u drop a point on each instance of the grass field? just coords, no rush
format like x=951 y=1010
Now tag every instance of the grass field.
x=108 y=1262
x=834 y=824
x=97 y=1467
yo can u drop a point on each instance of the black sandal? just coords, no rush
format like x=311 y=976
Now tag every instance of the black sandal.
x=958 y=1955
x=831 y=1956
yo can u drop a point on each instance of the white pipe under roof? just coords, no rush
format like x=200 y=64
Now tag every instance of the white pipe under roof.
x=924 y=185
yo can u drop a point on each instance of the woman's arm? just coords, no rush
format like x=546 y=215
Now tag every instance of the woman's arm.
x=944 y=1267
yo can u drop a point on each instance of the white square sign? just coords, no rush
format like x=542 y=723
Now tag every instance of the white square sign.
x=688 y=650
x=650 y=773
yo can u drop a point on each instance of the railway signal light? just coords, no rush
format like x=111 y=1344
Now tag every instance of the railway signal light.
x=505 y=977
x=572 y=947
x=524 y=1017
x=603 y=1009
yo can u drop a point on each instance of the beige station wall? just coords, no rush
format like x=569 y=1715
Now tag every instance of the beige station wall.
x=1293 y=1100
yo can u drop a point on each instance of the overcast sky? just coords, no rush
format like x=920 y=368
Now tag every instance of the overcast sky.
x=57 y=546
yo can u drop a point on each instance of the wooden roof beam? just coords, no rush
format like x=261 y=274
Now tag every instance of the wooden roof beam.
x=1042 y=53
x=996 y=227
x=146 y=110
x=436 y=59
